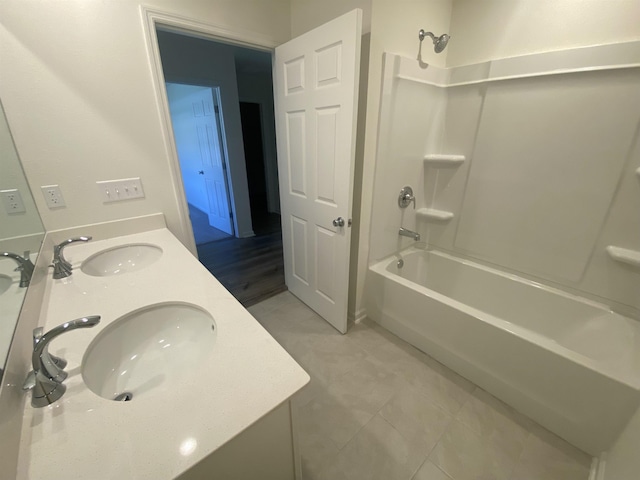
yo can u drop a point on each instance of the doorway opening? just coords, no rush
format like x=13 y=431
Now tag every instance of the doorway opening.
x=263 y=220
x=221 y=104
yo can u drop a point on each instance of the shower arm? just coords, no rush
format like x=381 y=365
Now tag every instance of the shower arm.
x=422 y=34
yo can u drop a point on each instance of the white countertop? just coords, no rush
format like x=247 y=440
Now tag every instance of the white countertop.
x=162 y=433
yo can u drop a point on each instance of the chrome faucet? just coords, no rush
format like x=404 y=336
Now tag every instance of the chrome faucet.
x=52 y=366
x=408 y=233
x=45 y=380
x=62 y=268
x=25 y=266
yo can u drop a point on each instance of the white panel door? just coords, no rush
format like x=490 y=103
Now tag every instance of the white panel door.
x=196 y=127
x=316 y=95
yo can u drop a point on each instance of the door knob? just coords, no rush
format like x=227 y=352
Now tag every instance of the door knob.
x=200 y=172
x=338 y=222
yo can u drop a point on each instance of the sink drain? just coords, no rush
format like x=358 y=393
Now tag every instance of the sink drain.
x=123 y=397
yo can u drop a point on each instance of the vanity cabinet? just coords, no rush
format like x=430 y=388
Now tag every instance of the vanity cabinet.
x=263 y=451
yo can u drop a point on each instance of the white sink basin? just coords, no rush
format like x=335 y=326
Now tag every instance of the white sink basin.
x=5 y=283
x=121 y=259
x=148 y=349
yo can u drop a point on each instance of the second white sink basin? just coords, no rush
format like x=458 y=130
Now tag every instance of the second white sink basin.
x=5 y=283
x=148 y=349
x=121 y=259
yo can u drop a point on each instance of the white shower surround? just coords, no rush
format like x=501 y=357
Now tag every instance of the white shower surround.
x=570 y=364
x=575 y=368
x=456 y=111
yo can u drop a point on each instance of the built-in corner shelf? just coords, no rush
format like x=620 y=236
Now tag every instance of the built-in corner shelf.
x=438 y=160
x=624 y=255
x=434 y=215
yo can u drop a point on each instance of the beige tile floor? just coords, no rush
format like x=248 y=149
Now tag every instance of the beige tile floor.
x=377 y=408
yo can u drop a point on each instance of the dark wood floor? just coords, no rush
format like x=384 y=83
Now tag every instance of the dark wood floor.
x=252 y=269
x=202 y=231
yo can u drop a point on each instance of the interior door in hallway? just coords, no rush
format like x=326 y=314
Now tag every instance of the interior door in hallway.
x=316 y=95
x=196 y=128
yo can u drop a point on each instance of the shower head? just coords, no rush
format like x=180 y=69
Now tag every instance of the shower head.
x=439 y=43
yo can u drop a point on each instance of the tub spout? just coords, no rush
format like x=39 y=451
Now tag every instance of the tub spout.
x=408 y=233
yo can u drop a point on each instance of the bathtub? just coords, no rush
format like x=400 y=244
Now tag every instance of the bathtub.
x=568 y=363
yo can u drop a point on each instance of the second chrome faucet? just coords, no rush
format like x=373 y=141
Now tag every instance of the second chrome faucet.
x=25 y=266
x=62 y=268
x=45 y=380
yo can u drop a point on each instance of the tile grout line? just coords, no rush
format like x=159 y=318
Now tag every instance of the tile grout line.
x=400 y=433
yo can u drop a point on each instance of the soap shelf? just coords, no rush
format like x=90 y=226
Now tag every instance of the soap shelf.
x=624 y=255
x=434 y=215
x=443 y=161
x=439 y=160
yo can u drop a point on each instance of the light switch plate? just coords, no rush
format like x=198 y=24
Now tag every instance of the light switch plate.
x=119 y=190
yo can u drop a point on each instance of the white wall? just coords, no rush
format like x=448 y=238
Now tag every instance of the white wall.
x=12 y=177
x=491 y=29
x=78 y=90
x=309 y=14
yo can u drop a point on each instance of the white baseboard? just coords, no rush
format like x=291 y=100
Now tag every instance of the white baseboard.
x=598 y=466
x=356 y=317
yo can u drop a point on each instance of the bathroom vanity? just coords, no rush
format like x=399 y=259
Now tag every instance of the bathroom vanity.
x=203 y=391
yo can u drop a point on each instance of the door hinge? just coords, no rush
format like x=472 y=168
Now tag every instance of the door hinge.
x=230 y=214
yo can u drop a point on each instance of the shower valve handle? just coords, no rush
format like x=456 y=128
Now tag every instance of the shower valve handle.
x=406 y=197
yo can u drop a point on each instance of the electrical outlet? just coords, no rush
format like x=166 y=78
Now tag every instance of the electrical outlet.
x=53 y=196
x=118 y=190
x=12 y=201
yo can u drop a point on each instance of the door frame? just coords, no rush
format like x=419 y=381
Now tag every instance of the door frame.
x=152 y=21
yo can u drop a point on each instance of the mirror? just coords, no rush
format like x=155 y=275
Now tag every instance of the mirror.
x=21 y=231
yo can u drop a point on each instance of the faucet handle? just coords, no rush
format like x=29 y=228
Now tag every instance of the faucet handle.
x=26 y=263
x=406 y=197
